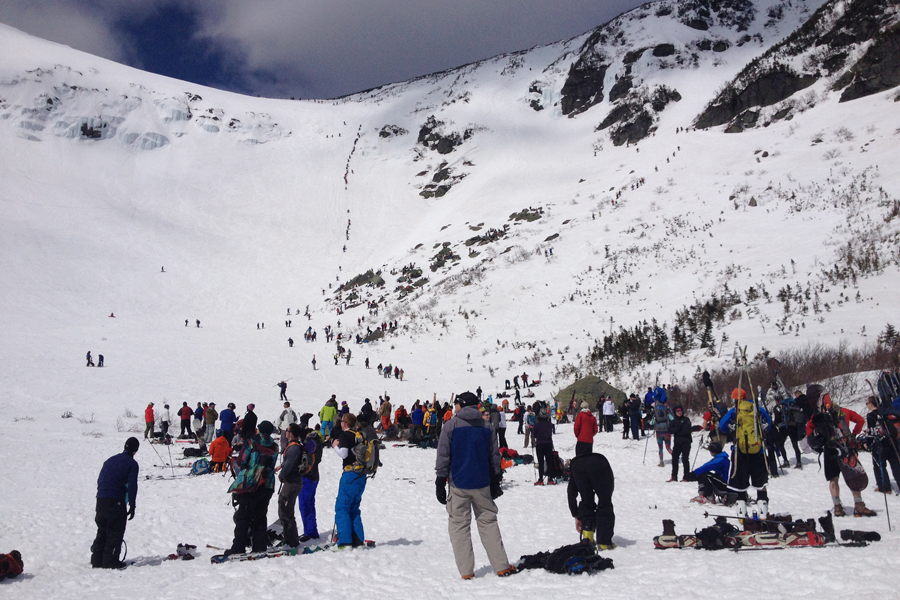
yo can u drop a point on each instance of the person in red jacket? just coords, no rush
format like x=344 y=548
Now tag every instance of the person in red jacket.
x=150 y=421
x=829 y=432
x=585 y=430
x=185 y=413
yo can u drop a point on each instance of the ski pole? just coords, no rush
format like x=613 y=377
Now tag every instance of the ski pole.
x=697 y=455
x=171 y=462
x=647 y=443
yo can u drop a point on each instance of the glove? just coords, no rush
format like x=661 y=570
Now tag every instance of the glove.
x=131 y=512
x=440 y=489
x=496 y=491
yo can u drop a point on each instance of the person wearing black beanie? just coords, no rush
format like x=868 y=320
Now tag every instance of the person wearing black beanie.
x=116 y=496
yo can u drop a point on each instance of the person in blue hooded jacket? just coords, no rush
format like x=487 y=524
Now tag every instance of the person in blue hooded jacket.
x=117 y=487
x=228 y=419
x=468 y=458
x=712 y=476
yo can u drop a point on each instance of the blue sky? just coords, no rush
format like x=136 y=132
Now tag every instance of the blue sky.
x=304 y=48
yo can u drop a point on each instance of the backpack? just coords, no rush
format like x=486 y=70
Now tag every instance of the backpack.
x=365 y=453
x=574 y=559
x=201 y=467
x=748 y=435
x=661 y=418
x=659 y=394
x=256 y=463
x=793 y=414
x=192 y=452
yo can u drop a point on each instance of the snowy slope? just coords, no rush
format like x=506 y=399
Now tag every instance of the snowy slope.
x=244 y=202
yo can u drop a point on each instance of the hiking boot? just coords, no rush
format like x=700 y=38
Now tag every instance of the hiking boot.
x=606 y=546
x=702 y=500
x=551 y=481
x=671 y=479
x=511 y=570
x=661 y=464
x=116 y=564
x=860 y=510
x=306 y=538
x=883 y=490
x=839 y=510
x=467 y=577
x=799 y=465
x=539 y=482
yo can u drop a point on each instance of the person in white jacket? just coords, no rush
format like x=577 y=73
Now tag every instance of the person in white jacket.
x=609 y=414
x=164 y=417
x=287 y=417
x=501 y=430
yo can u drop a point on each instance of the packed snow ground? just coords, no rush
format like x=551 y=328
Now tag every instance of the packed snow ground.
x=251 y=220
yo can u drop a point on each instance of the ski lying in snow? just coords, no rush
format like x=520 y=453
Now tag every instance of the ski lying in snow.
x=276 y=552
x=745 y=540
x=331 y=546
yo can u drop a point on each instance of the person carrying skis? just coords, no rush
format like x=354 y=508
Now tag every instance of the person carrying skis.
x=469 y=460
x=680 y=429
x=290 y=473
x=746 y=424
x=592 y=477
x=828 y=432
x=712 y=476
x=585 y=429
x=117 y=487
x=283 y=386
x=252 y=489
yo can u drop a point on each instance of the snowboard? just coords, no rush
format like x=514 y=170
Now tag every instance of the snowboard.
x=853 y=473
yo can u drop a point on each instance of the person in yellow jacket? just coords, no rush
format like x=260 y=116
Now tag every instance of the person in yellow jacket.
x=328 y=416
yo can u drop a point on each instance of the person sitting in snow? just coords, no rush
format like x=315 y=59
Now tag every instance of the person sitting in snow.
x=712 y=476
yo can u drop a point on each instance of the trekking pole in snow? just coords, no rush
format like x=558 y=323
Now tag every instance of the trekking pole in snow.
x=647 y=443
x=700 y=445
x=171 y=462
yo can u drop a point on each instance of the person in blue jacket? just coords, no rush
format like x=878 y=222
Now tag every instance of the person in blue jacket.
x=712 y=476
x=228 y=419
x=117 y=487
x=418 y=422
x=468 y=458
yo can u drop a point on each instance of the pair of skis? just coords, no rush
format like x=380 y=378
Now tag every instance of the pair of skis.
x=745 y=540
x=276 y=552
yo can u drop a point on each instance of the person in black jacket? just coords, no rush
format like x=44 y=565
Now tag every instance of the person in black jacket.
x=680 y=429
x=290 y=473
x=117 y=487
x=634 y=415
x=592 y=477
x=248 y=428
x=366 y=414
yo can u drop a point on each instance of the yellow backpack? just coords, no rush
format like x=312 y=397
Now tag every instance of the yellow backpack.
x=747 y=434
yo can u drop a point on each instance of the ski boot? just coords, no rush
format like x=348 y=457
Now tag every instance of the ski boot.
x=539 y=482
x=741 y=508
x=860 y=510
x=762 y=509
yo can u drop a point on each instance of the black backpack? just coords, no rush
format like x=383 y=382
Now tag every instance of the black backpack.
x=575 y=559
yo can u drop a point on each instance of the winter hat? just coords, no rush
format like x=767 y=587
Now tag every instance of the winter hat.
x=466 y=399
x=132 y=445
x=584 y=404
x=166 y=405
x=218 y=433
x=677 y=408
x=251 y=406
x=266 y=428
x=715 y=447
x=544 y=415
x=738 y=394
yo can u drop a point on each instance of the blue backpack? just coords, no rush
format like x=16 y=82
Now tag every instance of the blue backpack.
x=660 y=395
x=201 y=467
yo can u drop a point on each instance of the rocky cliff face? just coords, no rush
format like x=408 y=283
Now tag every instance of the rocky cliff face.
x=854 y=43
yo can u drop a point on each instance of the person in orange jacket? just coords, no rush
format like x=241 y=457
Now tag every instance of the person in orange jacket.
x=219 y=452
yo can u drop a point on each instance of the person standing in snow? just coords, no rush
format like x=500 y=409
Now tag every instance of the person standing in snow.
x=609 y=414
x=248 y=428
x=117 y=488
x=209 y=419
x=328 y=415
x=662 y=416
x=634 y=415
x=469 y=460
x=252 y=489
x=680 y=429
x=283 y=423
x=290 y=473
x=227 y=419
x=283 y=386
x=165 y=417
x=749 y=465
x=347 y=515
x=307 y=498
x=150 y=422
x=185 y=413
x=90 y=361
x=543 y=444
x=585 y=429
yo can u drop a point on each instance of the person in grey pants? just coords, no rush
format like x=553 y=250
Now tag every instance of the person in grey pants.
x=291 y=470
x=469 y=460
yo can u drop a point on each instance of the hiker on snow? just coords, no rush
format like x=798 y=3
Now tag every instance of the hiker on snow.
x=749 y=466
x=209 y=422
x=328 y=416
x=585 y=429
x=283 y=386
x=662 y=416
x=469 y=459
x=290 y=473
x=252 y=489
x=828 y=432
x=680 y=429
x=347 y=515
x=227 y=420
x=248 y=427
x=634 y=415
x=284 y=420
x=306 y=501
x=543 y=444
x=883 y=423
x=117 y=487
x=591 y=478
x=609 y=414
x=185 y=413
x=150 y=422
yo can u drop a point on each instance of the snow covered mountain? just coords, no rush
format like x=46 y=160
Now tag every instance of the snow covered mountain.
x=688 y=175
